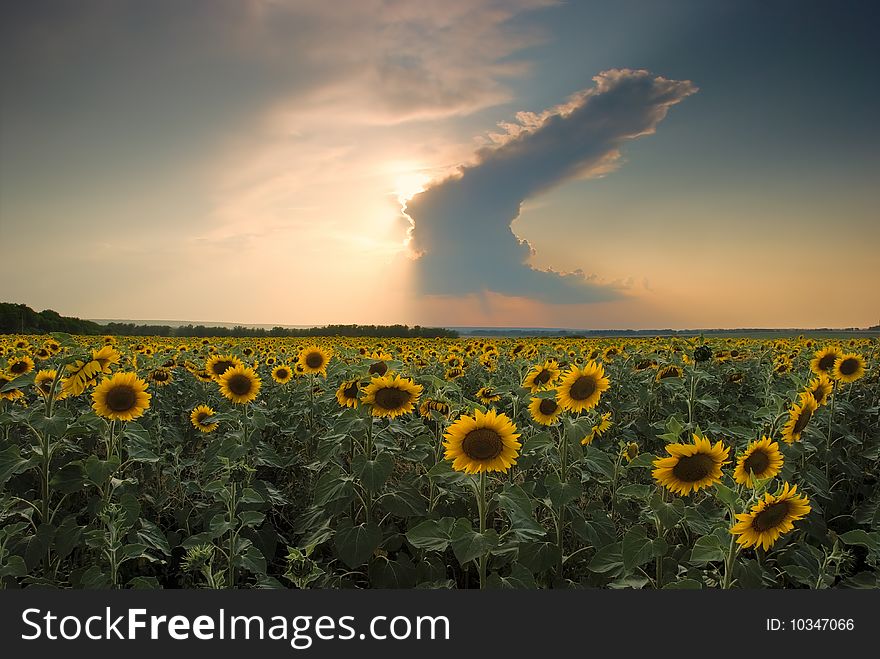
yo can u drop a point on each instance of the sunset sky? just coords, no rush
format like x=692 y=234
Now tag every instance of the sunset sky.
x=609 y=164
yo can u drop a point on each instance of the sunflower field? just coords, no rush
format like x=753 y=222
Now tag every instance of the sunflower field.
x=441 y=463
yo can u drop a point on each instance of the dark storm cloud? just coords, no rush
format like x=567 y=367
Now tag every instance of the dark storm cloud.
x=461 y=225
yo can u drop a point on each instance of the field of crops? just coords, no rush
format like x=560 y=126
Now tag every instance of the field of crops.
x=496 y=463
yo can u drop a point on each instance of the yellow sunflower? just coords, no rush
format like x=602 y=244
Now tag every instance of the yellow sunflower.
x=631 y=451
x=691 y=467
x=347 y=394
x=483 y=442
x=240 y=384
x=19 y=366
x=201 y=419
x=161 y=377
x=671 y=371
x=12 y=394
x=430 y=405
x=849 y=367
x=121 y=397
x=545 y=410
x=599 y=429
x=106 y=357
x=762 y=459
x=217 y=365
x=487 y=396
x=391 y=396
x=823 y=360
x=581 y=388
x=770 y=518
x=282 y=374
x=820 y=388
x=799 y=417
x=314 y=359
x=542 y=376
x=43 y=381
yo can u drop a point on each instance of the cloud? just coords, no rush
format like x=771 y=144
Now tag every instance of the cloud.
x=461 y=229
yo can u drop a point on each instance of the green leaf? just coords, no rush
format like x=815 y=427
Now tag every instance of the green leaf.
x=132 y=551
x=561 y=494
x=152 y=536
x=637 y=548
x=862 y=538
x=635 y=491
x=355 y=544
x=468 y=544
x=252 y=559
x=431 y=534
x=642 y=460
x=99 y=471
x=597 y=461
x=373 y=473
x=11 y=463
x=707 y=549
x=15 y=567
x=608 y=558
x=405 y=501
x=726 y=495
x=518 y=506
x=251 y=518
x=519 y=578
x=538 y=556
x=68 y=537
x=387 y=573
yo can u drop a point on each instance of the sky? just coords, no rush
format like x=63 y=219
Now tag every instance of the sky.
x=534 y=163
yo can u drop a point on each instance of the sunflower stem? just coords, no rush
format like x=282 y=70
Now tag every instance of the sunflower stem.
x=731 y=555
x=481 y=508
x=828 y=436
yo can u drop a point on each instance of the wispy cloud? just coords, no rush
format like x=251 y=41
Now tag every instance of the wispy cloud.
x=461 y=230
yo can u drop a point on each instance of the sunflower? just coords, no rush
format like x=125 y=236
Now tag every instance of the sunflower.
x=347 y=394
x=452 y=374
x=217 y=365
x=631 y=451
x=201 y=419
x=43 y=381
x=799 y=417
x=314 y=359
x=203 y=376
x=849 y=367
x=282 y=374
x=599 y=429
x=487 y=396
x=161 y=377
x=691 y=467
x=770 y=518
x=545 y=410
x=542 y=376
x=820 y=388
x=19 y=366
x=481 y=443
x=12 y=394
x=671 y=371
x=379 y=368
x=823 y=360
x=106 y=357
x=430 y=405
x=762 y=459
x=121 y=397
x=581 y=388
x=240 y=384
x=391 y=395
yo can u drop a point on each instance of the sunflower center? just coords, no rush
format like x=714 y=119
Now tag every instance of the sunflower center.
x=693 y=468
x=378 y=368
x=18 y=367
x=239 y=384
x=827 y=362
x=281 y=373
x=548 y=406
x=757 y=463
x=314 y=360
x=221 y=367
x=121 y=398
x=802 y=421
x=391 y=398
x=351 y=390
x=482 y=444
x=849 y=366
x=202 y=416
x=771 y=517
x=543 y=377
x=583 y=388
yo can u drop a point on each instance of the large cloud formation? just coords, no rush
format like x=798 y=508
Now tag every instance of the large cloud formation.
x=461 y=229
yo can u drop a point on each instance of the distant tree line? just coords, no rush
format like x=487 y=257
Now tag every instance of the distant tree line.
x=21 y=319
